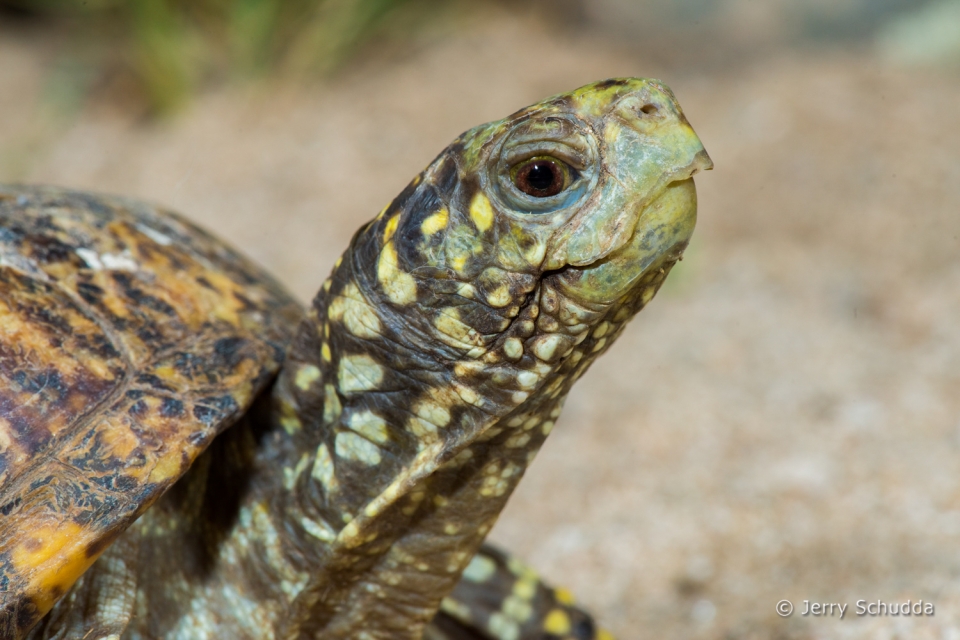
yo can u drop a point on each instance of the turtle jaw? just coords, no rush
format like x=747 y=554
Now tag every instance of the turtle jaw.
x=636 y=270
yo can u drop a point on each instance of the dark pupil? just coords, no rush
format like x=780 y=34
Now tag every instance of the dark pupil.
x=541 y=176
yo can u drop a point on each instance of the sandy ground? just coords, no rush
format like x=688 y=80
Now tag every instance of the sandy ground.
x=782 y=422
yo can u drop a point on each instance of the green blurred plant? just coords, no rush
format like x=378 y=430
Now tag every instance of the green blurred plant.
x=171 y=46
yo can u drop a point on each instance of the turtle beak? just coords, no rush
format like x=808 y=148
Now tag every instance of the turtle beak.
x=648 y=144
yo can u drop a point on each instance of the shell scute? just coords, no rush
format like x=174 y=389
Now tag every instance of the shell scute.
x=128 y=340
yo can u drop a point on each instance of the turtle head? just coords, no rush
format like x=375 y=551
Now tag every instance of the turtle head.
x=438 y=354
x=571 y=206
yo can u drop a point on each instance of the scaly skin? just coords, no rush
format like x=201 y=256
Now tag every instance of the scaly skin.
x=430 y=369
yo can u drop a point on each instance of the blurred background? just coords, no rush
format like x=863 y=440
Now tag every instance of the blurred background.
x=782 y=422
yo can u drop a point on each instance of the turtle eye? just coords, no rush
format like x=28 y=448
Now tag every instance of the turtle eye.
x=541 y=177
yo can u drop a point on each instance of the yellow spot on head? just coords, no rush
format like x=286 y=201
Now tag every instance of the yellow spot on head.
x=352 y=308
x=359 y=373
x=564 y=596
x=459 y=262
x=390 y=228
x=306 y=376
x=513 y=348
x=481 y=212
x=436 y=222
x=499 y=297
x=400 y=287
x=557 y=622
x=325 y=352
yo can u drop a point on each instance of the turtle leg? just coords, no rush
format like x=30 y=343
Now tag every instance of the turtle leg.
x=500 y=598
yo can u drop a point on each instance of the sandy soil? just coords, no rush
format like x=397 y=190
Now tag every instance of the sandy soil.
x=782 y=422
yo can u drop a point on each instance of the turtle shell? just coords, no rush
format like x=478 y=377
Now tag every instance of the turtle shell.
x=129 y=338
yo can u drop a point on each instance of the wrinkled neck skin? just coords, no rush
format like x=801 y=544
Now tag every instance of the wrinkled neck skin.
x=437 y=356
x=401 y=427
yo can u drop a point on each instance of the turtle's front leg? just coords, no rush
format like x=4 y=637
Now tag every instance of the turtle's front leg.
x=500 y=598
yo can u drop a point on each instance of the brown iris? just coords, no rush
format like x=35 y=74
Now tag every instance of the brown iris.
x=541 y=177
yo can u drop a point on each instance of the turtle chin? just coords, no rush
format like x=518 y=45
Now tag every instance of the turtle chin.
x=631 y=275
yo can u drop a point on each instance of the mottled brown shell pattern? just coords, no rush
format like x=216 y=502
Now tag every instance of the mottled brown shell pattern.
x=129 y=338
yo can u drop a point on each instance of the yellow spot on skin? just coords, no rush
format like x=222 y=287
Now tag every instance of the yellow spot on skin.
x=451 y=529
x=513 y=348
x=336 y=265
x=350 y=446
x=547 y=427
x=433 y=413
x=519 y=397
x=53 y=556
x=564 y=596
x=331 y=404
x=601 y=343
x=531 y=423
x=525 y=588
x=499 y=297
x=603 y=634
x=547 y=347
x=601 y=330
x=622 y=314
x=355 y=312
x=456 y=609
x=359 y=373
x=290 y=475
x=481 y=212
x=291 y=424
x=468 y=395
x=454 y=332
x=390 y=228
x=480 y=569
x=517 y=441
x=399 y=286
x=323 y=469
x=527 y=379
x=436 y=222
x=325 y=352
x=503 y=627
x=370 y=426
x=306 y=376
x=517 y=608
x=648 y=294
x=320 y=530
x=557 y=622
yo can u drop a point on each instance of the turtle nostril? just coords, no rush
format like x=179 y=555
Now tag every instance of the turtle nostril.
x=649 y=109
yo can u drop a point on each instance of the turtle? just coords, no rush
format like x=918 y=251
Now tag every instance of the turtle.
x=188 y=452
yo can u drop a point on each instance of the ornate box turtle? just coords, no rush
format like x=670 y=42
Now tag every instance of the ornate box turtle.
x=187 y=453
